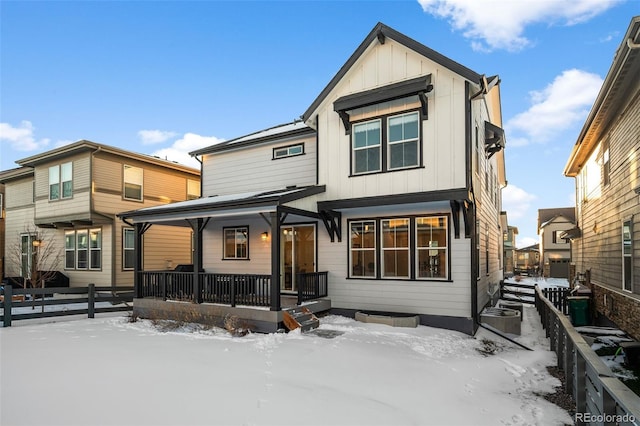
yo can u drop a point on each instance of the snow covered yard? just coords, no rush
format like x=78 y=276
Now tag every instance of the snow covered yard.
x=107 y=371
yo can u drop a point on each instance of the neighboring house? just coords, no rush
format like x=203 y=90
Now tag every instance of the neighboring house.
x=386 y=197
x=555 y=251
x=527 y=260
x=509 y=244
x=605 y=163
x=68 y=198
x=2 y=259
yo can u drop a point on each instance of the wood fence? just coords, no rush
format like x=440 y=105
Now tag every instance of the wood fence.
x=121 y=299
x=601 y=398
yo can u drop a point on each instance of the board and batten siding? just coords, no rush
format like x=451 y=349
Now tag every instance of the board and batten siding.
x=80 y=201
x=254 y=169
x=443 y=133
x=606 y=207
x=428 y=297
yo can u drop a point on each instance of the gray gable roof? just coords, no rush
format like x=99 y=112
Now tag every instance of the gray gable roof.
x=546 y=215
x=280 y=132
x=380 y=31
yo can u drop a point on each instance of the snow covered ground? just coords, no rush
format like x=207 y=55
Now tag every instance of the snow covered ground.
x=107 y=371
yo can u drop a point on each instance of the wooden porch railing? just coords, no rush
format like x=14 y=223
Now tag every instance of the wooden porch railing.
x=228 y=289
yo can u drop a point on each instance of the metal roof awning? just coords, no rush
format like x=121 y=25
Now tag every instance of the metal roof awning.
x=245 y=203
x=571 y=234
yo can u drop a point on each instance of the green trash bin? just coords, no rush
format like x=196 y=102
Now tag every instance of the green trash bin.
x=579 y=310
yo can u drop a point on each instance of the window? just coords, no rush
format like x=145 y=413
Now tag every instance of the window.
x=133 y=178
x=486 y=248
x=69 y=249
x=27 y=254
x=395 y=248
x=128 y=248
x=95 y=249
x=83 y=249
x=556 y=237
x=627 y=255
x=366 y=147
x=193 y=189
x=363 y=248
x=406 y=248
x=431 y=247
x=288 y=151
x=403 y=141
x=236 y=243
x=401 y=137
x=61 y=181
x=605 y=162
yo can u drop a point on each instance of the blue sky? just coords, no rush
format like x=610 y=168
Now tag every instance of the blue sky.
x=166 y=78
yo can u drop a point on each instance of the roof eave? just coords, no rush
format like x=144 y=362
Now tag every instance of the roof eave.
x=381 y=31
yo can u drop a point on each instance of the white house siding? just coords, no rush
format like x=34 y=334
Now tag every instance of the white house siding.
x=80 y=201
x=254 y=169
x=428 y=297
x=443 y=133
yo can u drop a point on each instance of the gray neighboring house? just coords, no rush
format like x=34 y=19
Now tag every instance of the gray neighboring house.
x=555 y=251
x=605 y=162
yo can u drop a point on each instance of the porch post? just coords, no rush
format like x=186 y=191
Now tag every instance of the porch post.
x=275 y=260
x=197 y=260
x=137 y=260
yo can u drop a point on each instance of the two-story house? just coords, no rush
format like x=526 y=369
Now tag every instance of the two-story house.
x=605 y=162
x=555 y=251
x=68 y=198
x=386 y=197
x=509 y=244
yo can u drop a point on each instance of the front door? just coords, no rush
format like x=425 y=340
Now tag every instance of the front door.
x=297 y=254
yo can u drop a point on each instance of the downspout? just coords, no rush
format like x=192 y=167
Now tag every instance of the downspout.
x=469 y=183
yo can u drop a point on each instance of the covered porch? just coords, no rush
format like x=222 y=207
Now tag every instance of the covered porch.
x=272 y=278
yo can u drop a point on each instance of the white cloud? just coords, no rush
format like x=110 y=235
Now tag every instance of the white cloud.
x=179 y=151
x=150 y=137
x=490 y=24
x=526 y=241
x=559 y=106
x=516 y=201
x=21 y=138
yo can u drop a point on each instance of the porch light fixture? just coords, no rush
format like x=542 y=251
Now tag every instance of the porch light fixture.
x=264 y=236
x=36 y=243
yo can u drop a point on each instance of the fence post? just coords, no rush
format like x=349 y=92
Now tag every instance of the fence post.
x=7 y=305
x=91 y=300
x=232 y=289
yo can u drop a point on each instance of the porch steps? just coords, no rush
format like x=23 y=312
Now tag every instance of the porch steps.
x=300 y=317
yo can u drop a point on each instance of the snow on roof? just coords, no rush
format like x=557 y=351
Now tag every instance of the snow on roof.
x=261 y=135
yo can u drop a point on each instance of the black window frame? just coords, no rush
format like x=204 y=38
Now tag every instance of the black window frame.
x=288 y=148
x=413 y=248
x=384 y=142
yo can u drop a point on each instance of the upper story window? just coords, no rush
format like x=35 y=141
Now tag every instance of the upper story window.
x=61 y=181
x=391 y=142
x=133 y=179
x=193 y=189
x=288 y=151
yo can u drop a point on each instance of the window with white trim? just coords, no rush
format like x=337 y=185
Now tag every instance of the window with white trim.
x=133 y=183
x=236 y=243
x=128 y=248
x=288 y=151
x=627 y=255
x=83 y=249
x=61 y=181
x=193 y=189
x=362 y=252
